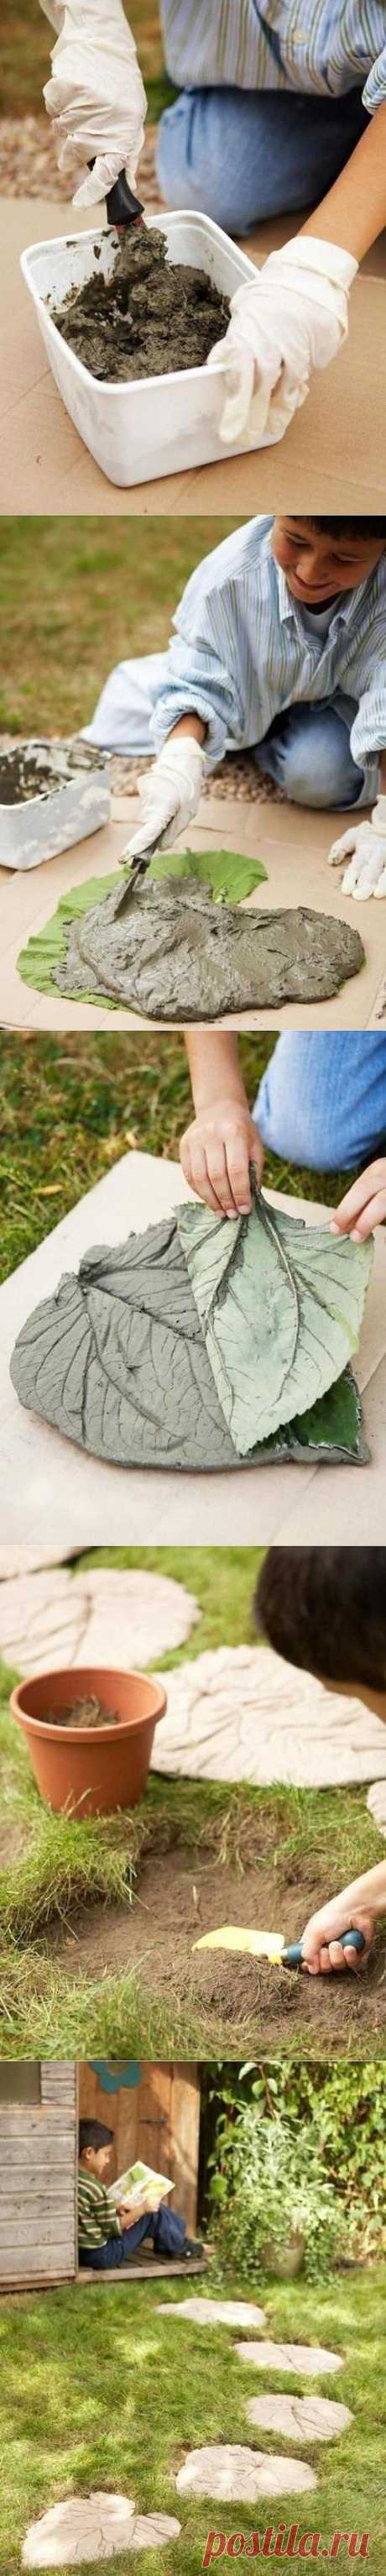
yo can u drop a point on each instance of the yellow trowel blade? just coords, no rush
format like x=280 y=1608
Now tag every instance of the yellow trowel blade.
x=258 y=1945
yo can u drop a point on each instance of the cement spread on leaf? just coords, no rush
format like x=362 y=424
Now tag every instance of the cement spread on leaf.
x=174 y=954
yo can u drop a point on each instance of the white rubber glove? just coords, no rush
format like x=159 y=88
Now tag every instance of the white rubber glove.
x=169 y=796
x=95 y=96
x=367 y=843
x=293 y=319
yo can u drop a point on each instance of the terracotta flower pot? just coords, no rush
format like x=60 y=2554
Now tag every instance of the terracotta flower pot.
x=89 y=1771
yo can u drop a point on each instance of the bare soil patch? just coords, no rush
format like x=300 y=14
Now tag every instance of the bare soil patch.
x=243 y=2001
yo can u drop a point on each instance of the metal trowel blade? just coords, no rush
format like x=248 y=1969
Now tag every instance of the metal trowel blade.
x=257 y=1945
x=137 y=871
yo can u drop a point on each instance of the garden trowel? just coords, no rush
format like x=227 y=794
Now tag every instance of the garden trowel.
x=267 y=1945
x=122 y=207
x=137 y=870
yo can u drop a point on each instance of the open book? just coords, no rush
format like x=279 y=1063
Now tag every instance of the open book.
x=139 y=2183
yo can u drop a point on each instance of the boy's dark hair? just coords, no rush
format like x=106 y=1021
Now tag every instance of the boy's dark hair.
x=324 y=1609
x=92 y=2133
x=350 y=527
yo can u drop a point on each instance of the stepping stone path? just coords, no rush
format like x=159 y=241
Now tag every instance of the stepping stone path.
x=240 y=1713
x=301 y=2419
x=104 y=1616
x=310 y=2360
x=228 y=2472
x=213 y=2312
x=96 y=2526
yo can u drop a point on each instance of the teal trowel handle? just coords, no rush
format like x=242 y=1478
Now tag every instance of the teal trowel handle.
x=293 y=1954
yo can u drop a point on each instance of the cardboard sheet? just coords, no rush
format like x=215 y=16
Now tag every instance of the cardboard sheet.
x=333 y=455
x=292 y=843
x=46 y=1477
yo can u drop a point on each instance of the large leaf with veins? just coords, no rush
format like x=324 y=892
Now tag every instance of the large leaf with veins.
x=281 y=1307
x=118 y=1361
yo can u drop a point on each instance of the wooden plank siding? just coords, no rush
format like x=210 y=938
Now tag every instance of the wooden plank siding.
x=158 y=2117
x=38 y=2181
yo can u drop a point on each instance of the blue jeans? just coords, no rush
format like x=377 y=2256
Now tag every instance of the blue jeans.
x=322 y=1100
x=243 y=155
x=168 y=2234
x=307 y=752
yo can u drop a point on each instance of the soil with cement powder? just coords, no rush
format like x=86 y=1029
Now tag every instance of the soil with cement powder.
x=242 y=2003
x=174 y=954
x=36 y=769
x=148 y=319
x=82 y=1712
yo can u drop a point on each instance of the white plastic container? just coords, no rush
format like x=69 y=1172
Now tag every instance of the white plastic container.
x=164 y=423
x=43 y=824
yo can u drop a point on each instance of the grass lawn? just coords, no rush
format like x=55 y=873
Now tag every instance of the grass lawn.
x=70 y=1106
x=79 y=595
x=26 y=41
x=100 y=2391
x=76 y=1900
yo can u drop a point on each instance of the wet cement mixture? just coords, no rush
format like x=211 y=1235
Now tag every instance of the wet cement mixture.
x=82 y=1712
x=174 y=954
x=240 y=2001
x=38 y=768
x=148 y=318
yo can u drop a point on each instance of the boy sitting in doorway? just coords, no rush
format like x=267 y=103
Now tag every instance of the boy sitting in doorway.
x=107 y=2237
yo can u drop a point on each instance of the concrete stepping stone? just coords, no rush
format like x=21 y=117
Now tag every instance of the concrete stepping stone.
x=27 y=1560
x=103 y=1617
x=309 y=2360
x=376 y=1803
x=229 y=2472
x=301 y=2419
x=216 y=2312
x=84 y=2528
x=240 y=1713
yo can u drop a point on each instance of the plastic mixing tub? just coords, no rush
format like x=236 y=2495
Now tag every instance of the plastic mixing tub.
x=38 y=826
x=162 y=424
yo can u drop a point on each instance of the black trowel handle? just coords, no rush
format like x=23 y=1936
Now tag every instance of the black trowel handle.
x=122 y=206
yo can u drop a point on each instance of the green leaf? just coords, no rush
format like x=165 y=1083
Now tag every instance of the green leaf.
x=45 y=950
x=230 y=876
x=281 y=1307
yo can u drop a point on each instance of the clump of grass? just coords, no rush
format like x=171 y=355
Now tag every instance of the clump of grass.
x=69 y=1865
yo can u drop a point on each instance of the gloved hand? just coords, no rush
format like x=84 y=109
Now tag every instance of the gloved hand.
x=169 y=796
x=294 y=318
x=95 y=96
x=367 y=842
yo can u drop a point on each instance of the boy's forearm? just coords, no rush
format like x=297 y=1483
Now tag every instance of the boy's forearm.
x=189 y=724
x=369 y=1890
x=214 y=1068
x=354 y=211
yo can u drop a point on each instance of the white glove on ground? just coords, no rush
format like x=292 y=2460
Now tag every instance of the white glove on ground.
x=169 y=796
x=294 y=318
x=95 y=96
x=367 y=842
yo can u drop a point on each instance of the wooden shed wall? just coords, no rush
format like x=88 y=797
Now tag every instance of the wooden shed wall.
x=157 y=2118
x=38 y=2177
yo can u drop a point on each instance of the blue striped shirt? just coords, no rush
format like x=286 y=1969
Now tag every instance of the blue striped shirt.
x=241 y=652
x=327 y=46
